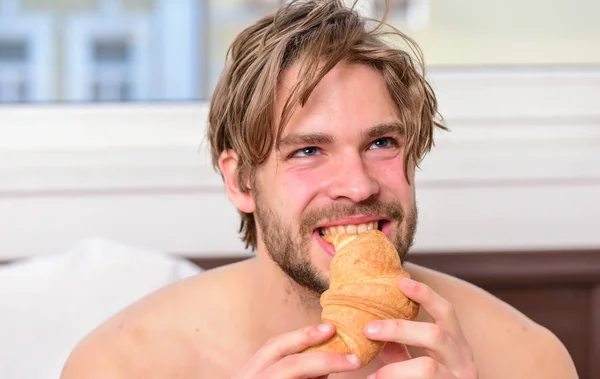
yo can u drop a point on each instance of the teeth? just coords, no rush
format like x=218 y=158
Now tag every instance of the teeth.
x=350 y=229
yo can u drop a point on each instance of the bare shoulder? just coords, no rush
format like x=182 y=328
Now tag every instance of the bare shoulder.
x=168 y=333
x=505 y=342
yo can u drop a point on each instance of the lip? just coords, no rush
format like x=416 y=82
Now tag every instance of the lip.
x=351 y=220
x=326 y=246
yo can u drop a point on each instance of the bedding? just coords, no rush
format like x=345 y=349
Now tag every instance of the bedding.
x=49 y=303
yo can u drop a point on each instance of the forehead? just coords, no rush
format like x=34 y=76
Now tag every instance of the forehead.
x=349 y=97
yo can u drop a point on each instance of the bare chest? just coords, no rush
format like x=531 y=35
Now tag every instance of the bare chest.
x=219 y=371
x=220 y=360
x=228 y=365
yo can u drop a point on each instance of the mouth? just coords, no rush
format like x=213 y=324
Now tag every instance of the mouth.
x=349 y=228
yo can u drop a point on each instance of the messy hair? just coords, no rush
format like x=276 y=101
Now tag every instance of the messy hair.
x=318 y=35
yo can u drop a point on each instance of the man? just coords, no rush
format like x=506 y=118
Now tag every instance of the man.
x=316 y=127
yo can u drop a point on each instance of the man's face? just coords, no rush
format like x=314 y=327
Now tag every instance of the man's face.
x=340 y=168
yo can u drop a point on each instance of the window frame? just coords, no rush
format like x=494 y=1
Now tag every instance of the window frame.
x=82 y=29
x=17 y=71
x=167 y=76
x=37 y=28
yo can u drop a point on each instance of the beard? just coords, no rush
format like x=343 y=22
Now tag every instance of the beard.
x=291 y=251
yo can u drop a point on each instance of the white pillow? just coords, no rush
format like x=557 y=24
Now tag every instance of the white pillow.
x=49 y=303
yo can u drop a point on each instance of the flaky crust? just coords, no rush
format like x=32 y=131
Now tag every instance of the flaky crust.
x=364 y=275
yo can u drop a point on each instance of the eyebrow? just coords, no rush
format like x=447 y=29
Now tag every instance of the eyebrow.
x=383 y=129
x=306 y=139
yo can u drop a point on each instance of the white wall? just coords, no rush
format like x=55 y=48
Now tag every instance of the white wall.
x=519 y=170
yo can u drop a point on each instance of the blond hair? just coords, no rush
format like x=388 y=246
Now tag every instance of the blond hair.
x=319 y=35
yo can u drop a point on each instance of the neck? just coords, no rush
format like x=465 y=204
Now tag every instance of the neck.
x=277 y=304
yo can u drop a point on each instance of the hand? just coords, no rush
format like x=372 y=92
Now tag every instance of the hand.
x=279 y=357
x=450 y=356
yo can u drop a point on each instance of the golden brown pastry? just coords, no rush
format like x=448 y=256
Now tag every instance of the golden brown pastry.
x=364 y=275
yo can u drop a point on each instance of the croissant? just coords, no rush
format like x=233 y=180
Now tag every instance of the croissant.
x=364 y=275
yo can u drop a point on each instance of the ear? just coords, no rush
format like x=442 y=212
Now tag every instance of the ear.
x=228 y=164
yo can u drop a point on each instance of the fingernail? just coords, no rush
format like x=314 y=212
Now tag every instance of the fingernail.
x=373 y=328
x=352 y=359
x=372 y=376
x=324 y=328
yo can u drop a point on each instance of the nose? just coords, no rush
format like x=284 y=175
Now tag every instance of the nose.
x=351 y=180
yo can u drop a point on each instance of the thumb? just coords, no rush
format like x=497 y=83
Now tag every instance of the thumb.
x=394 y=352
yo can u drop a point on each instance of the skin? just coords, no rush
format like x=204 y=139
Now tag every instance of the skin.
x=249 y=319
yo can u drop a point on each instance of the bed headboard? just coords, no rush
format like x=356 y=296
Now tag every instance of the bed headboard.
x=558 y=289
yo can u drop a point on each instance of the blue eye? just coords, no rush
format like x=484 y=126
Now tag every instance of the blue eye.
x=382 y=143
x=307 y=152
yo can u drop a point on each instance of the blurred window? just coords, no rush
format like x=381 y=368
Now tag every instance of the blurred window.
x=174 y=50
x=112 y=70
x=14 y=62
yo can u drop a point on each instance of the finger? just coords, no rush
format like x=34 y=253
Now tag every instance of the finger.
x=440 y=309
x=431 y=337
x=311 y=365
x=290 y=343
x=418 y=368
x=394 y=352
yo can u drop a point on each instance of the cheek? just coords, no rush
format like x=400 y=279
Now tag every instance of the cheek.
x=302 y=184
x=296 y=192
x=392 y=177
x=298 y=188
